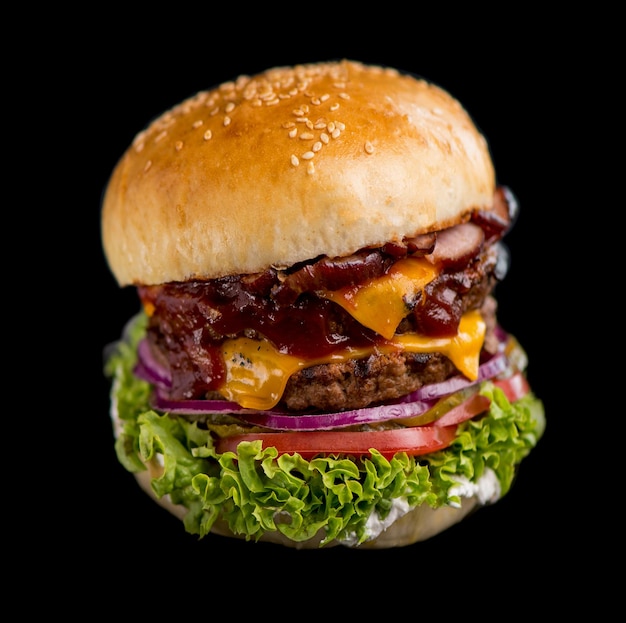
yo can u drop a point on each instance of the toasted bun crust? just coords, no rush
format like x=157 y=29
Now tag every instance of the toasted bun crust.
x=287 y=165
x=419 y=524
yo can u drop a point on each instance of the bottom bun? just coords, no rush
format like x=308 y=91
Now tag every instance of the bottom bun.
x=419 y=524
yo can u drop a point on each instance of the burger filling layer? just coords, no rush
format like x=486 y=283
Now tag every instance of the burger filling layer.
x=339 y=319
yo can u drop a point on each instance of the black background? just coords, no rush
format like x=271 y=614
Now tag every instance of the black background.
x=135 y=73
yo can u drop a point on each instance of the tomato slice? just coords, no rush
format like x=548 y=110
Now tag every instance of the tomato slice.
x=515 y=387
x=414 y=441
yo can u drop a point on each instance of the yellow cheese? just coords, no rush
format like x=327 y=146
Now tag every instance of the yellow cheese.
x=380 y=304
x=257 y=373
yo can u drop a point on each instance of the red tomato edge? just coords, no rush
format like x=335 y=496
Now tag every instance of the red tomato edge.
x=414 y=441
x=514 y=387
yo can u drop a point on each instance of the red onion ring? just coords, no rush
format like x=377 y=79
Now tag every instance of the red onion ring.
x=327 y=421
x=148 y=369
x=161 y=402
x=282 y=420
x=488 y=370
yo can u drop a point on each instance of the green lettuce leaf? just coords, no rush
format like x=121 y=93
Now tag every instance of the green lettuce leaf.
x=259 y=491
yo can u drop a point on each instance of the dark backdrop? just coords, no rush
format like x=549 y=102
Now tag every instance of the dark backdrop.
x=135 y=74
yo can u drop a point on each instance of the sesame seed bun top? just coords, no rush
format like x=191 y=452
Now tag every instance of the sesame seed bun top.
x=287 y=165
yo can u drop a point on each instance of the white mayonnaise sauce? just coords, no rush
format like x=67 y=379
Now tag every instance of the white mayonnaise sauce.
x=486 y=490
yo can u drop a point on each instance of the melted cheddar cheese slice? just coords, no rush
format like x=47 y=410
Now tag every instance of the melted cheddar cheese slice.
x=257 y=372
x=380 y=304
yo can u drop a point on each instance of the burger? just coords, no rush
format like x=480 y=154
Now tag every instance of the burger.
x=316 y=358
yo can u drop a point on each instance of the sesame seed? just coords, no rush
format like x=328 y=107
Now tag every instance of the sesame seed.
x=289 y=124
x=307 y=155
x=324 y=138
x=334 y=107
x=294 y=160
x=317 y=146
x=369 y=148
x=160 y=137
x=331 y=126
x=319 y=125
x=310 y=168
x=214 y=111
x=316 y=101
x=166 y=120
x=293 y=133
x=148 y=165
x=344 y=96
x=178 y=146
x=197 y=124
x=324 y=97
x=140 y=138
x=307 y=136
x=272 y=102
x=226 y=121
x=336 y=133
x=207 y=135
x=229 y=107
